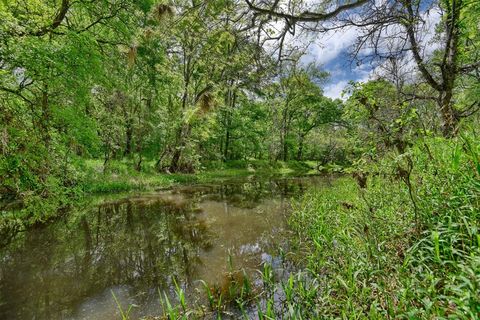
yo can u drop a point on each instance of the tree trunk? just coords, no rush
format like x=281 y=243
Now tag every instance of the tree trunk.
x=182 y=135
x=227 y=144
x=285 y=149
x=284 y=139
x=138 y=165
x=128 y=140
x=449 y=64
x=300 y=148
x=45 y=118
x=450 y=69
x=449 y=118
x=230 y=101
x=284 y=133
x=174 y=164
x=177 y=153
x=105 y=160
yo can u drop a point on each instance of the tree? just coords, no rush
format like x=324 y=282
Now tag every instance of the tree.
x=299 y=105
x=51 y=57
x=380 y=115
x=210 y=57
x=396 y=29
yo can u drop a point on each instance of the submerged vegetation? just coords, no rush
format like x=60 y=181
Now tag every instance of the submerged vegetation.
x=119 y=95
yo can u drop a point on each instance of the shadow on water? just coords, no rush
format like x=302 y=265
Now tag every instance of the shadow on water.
x=136 y=246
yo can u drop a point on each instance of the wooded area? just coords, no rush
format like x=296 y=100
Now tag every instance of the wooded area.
x=103 y=96
x=186 y=83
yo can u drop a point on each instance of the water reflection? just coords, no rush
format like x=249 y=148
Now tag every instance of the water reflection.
x=136 y=246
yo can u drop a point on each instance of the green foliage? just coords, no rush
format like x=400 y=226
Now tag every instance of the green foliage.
x=372 y=256
x=115 y=96
x=107 y=81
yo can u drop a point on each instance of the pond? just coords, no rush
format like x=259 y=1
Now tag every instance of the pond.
x=134 y=247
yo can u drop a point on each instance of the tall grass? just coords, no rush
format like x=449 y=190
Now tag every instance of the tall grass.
x=395 y=249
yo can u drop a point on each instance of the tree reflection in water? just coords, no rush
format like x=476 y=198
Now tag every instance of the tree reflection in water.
x=136 y=246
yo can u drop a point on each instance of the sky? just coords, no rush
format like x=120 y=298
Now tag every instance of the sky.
x=331 y=51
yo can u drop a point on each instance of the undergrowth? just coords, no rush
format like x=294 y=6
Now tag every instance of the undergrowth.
x=403 y=245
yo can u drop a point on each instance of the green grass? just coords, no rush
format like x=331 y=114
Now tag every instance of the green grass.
x=121 y=177
x=403 y=247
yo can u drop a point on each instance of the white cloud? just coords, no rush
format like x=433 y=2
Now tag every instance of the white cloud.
x=331 y=48
x=363 y=71
x=332 y=44
x=334 y=90
x=338 y=71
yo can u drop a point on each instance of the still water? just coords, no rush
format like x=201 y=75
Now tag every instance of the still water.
x=135 y=247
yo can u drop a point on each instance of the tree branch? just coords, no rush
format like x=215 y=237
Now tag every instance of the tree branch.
x=409 y=25
x=56 y=21
x=470 y=67
x=306 y=16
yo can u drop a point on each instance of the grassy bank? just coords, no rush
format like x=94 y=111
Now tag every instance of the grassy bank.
x=403 y=245
x=122 y=177
x=88 y=177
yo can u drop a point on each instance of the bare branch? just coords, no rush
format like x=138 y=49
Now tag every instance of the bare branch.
x=415 y=48
x=306 y=16
x=470 y=67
